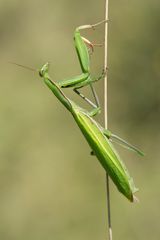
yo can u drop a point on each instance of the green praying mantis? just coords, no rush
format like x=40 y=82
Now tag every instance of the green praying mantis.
x=97 y=137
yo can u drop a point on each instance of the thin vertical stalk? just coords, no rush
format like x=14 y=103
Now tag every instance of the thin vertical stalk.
x=106 y=116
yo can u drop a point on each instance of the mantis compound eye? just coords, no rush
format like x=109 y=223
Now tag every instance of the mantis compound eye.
x=44 y=69
x=41 y=73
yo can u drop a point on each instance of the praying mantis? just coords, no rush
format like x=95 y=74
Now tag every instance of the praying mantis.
x=97 y=137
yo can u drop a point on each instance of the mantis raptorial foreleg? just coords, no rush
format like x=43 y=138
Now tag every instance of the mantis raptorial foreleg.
x=83 y=55
x=78 y=83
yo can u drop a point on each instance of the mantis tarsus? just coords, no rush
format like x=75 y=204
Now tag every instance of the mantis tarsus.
x=97 y=138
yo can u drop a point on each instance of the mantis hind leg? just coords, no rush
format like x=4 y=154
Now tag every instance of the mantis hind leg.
x=114 y=138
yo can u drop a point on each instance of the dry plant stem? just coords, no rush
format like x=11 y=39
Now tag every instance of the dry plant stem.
x=105 y=116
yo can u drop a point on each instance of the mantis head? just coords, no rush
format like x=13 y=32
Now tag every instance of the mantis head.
x=44 y=70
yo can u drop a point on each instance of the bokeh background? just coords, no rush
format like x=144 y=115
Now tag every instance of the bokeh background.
x=50 y=187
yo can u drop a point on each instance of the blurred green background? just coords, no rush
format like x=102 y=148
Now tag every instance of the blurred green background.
x=50 y=187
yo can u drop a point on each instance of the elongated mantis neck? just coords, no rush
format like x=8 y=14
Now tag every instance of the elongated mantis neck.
x=57 y=91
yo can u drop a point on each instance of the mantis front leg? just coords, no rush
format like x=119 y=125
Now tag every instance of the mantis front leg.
x=83 y=79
